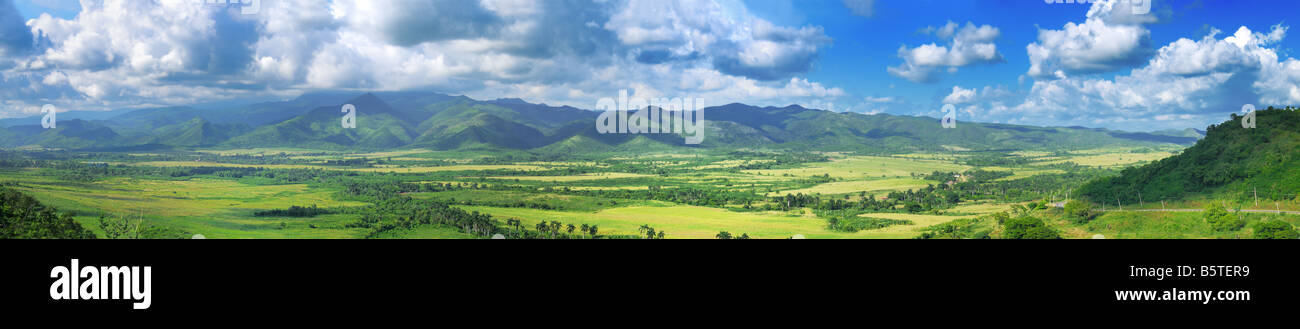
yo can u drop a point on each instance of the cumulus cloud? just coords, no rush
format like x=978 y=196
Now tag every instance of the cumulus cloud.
x=965 y=45
x=1197 y=81
x=118 y=53
x=959 y=95
x=734 y=41
x=1112 y=37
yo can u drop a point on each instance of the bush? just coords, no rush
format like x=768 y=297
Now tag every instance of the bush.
x=1275 y=229
x=1079 y=211
x=1220 y=219
x=1027 y=227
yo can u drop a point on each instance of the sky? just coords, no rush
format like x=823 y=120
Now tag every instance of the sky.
x=1110 y=64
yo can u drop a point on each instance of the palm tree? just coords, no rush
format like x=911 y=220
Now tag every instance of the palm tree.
x=541 y=227
x=571 y=228
x=555 y=228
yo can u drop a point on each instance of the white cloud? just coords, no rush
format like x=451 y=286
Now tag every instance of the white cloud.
x=1111 y=38
x=959 y=95
x=966 y=45
x=125 y=53
x=1197 y=81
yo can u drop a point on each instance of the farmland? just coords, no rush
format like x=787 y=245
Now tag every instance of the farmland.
x=691 y=194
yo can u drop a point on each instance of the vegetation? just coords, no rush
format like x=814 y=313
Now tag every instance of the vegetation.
x=1220 y=219
x=452 y=167
x=1028 y=227
x=1080 y=211
x=22 y=217
x=1231 y=162
x=1275 y=229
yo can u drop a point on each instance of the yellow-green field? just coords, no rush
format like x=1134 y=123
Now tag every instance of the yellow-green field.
x=691 y=222
x=860 y=167
x=216 y=208
x=1111 y=159
x=877 y=186
x=573 y=178
x=402 y=170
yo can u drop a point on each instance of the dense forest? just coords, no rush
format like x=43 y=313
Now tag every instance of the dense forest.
x=1231 y=162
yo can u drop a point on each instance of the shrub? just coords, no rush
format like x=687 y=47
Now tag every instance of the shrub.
x=1275 y=229
x=1220 y=219
x=1028 y=227
x=1079 y=211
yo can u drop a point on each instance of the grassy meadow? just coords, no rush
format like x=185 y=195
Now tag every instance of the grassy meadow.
x=690 y=194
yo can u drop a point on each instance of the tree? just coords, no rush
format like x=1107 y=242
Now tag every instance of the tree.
x=22 y=217
x=122 y=227
x=1220 y=219
x=648 y=231
x=1079 y=211
x=724 y=235
x=571 y=228
x=1275 y=229
x=1028 y=227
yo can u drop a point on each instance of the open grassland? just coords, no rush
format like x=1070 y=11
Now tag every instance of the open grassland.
x=1110 y=159
x=918 y=222
x=573 y=178
x=980 y=208
x=690 y=222
x=256 y=151
x=390 y=169
x=863 y=167
x=878 y=186
x=213 y=207
x=612 y=192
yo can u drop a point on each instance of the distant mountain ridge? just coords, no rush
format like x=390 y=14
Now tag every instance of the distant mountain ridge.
x=388 y=120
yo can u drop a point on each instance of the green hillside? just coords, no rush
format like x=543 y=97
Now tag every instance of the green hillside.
x=1229 y=162
x=445 y=122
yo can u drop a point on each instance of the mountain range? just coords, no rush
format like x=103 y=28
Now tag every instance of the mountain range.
x=389 y=120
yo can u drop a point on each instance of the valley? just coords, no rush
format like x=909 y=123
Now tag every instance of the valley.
x=472 y=173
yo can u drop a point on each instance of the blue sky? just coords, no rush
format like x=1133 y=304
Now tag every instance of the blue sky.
x=1182 y=64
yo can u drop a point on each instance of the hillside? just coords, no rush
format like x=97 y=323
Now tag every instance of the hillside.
x=390 y=120
x=1230 y=162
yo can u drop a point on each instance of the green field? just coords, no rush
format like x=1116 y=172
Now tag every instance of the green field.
x=692 y=195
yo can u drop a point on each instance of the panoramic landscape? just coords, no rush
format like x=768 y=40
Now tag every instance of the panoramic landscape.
x=1183 y=131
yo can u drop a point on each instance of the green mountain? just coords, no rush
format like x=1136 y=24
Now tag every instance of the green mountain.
x=1231 y=161
x=444 y=122
x=68 y=134
x=197 y=132
x=798 y=127
x=378 y=126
